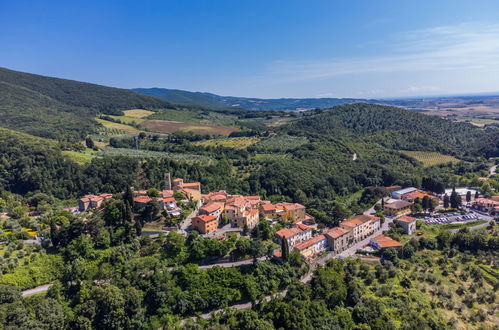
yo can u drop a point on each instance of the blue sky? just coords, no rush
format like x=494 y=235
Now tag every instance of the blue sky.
x=272 y=48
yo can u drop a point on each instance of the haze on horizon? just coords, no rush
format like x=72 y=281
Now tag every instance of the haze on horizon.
x=265 y=49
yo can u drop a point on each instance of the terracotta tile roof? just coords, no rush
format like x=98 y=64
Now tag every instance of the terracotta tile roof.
x=140 y=192
x=486 y=201
x=167 y=193
x=191 y=184
x=277 y=254
x=358 y=220
x=253 y=211
x=105 y=196
x=417 y=194
x=310 y=242
x=206 y=218
x=398 y=205
x=292 y=206
x=212 y=207
x=406 y=218
x=268 y=207
x=288 y=232
x=386 y=242
x=336 y=232
x=142 y=199
x=252 y=197
x=177 y=180
x=168 y=199
x=302 y=227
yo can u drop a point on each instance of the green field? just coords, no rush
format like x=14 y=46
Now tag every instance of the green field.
x=81 y=158
x=429 y=158
x=236 y=143
x=119 y=129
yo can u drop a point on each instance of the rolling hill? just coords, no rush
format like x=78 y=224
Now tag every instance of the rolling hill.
x=60 y=108
x=399 y=129
x=217 y=101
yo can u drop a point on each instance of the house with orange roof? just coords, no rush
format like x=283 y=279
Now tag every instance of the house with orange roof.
x=205 y=223
x=338 y=239
x=408 y=223
x=486 y=205
x=294 y=212
x=413 y=195
x=360 y=226
x=92 y=201
x=191 y=190
x=141 y=201
x=294 y=235
x=381 y=242
x=312 y=246
x=242 y=212
x=397 y=208
x=212 y=208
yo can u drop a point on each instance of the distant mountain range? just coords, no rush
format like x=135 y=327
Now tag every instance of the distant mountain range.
x=217 y=101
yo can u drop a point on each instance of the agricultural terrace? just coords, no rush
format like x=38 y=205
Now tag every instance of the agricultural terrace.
x=164 y=126
x=137 y=113
x=236 y=143
x=429 y=158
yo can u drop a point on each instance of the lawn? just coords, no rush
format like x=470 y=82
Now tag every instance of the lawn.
x=431 y=158
x=236 y=143
x=137 y=113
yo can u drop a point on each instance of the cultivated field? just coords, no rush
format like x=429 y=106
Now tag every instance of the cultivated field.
x=431 y=158
x=137 y=113
x=125 y=129
x=180 y=157
x=164 y=126
x=236 y=143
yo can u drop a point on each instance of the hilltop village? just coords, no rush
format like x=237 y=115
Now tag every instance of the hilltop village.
x=218 y=214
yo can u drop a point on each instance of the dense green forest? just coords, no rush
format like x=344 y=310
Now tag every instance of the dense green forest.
x=59 y=108
x=400 y=129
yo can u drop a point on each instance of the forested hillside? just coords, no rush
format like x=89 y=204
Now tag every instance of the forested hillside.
x=59 y=108
x=399 y=129
x=218 y=101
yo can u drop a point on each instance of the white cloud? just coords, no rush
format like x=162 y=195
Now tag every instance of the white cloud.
x=468 y=46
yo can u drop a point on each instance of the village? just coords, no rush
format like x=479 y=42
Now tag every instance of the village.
x=219 y=214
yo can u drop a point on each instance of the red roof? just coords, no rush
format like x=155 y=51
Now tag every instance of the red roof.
x=336 y=232
x=289 y=232
x=358 y=220
x=386 y=242
x=206 y=218
x=486 y=201
x=142 y=199
x=212 y=207
x=169 y=199
x=406 y=218
x=310 y=242
x=268 y=207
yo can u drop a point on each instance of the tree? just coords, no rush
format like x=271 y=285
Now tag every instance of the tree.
x=433 y=204
x=425 y=203
x=468 y=196
x=455 y=199
x=128 y=196
x=477 y=194
x=89 y=142
x=446 y=201
x=285 y=249
x=153 y=192
x=416 y=208
x=9 y=293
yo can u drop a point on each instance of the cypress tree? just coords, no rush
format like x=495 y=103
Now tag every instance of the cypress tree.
x=446 y=201
x=285 y=249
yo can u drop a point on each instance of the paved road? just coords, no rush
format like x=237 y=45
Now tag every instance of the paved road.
x=232 y=264
x=472 y=228
x=493 y=170
x=38 y=289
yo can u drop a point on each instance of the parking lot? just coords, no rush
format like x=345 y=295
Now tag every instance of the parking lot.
x=455 y=218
